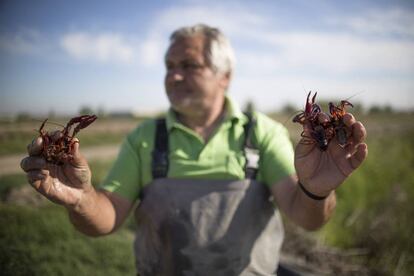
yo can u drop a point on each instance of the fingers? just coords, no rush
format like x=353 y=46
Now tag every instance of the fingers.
x=35 y=147
x=359 y=132
x=78 y=159
x=359 y=156
x=31 y=163
x=307 y=129
x=37 y=177
x=349 y=119
x=34 y=165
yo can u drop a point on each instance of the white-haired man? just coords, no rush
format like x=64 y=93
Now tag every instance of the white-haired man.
x=210 y=180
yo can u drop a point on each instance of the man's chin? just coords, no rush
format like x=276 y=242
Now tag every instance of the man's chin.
x=181 y=102
x=187 y=108
x=181 y=109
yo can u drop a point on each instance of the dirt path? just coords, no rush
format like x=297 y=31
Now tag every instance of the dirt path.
x=11 y=164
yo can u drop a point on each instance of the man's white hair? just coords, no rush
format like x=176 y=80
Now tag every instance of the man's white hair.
x=218 y=52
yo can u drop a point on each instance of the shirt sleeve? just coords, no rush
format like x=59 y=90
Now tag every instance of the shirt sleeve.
x=276 y=151
x=123 y=178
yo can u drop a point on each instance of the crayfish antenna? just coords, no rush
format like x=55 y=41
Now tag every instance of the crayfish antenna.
x=43 y=125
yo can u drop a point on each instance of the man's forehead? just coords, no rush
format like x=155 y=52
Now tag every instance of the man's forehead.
x=187 y=46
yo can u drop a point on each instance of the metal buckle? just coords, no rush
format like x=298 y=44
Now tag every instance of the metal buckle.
x=252 y=158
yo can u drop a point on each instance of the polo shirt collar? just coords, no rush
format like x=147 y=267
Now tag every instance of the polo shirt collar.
x=233 y=113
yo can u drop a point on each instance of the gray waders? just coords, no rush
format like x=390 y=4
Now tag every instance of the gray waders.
x=206 y=227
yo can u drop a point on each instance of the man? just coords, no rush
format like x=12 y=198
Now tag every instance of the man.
x=198 y=214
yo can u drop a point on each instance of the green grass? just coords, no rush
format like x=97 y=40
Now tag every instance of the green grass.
x=15 y=142
x=9 y=182
x=99 y=170
x=41 y=241
x=98 y=139
x=375 y=209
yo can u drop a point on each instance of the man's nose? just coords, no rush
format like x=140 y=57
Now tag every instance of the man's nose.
x=176 y=74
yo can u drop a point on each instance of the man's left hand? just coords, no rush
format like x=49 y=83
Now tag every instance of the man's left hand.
x=321 y=172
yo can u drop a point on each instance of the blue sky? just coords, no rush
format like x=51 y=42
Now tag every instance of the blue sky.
x=61 y=55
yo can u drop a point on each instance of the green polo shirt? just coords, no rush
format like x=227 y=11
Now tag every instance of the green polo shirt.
x=221 y=157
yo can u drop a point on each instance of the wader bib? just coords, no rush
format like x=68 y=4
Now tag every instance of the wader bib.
x=206 y=227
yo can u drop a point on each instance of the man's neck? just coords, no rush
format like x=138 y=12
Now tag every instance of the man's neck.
x=204 y=123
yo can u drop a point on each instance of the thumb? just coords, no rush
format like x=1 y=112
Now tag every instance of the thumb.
x=306 y=144
x=307 y=129
x=78 y=159
x=306 y=135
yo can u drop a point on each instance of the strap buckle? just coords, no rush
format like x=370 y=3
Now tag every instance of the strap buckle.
x=252 y=158
x=159 y=164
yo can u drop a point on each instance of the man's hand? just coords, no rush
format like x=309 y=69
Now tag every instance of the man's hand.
x=323 y=171
x=63 y=184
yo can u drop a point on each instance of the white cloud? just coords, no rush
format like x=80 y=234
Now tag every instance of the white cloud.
x=275 y=65
x=104 y=47
x=231 y=18
x=340 y=53
x=394 y=21
x=311 y=51
x=151 y=51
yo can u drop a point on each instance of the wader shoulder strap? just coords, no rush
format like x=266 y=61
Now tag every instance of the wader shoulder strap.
x=160 y=152
x=160 y=162
x=251 y=153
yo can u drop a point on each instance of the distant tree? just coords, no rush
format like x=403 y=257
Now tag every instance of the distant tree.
x=388 y=109
x=51 y=114
x=86 y=110
x=358 y=108
x=101 y=112
x=289 y=109
x=22 y=116
x=376 y=109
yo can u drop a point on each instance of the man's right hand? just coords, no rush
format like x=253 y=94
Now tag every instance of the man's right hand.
x=63 y=184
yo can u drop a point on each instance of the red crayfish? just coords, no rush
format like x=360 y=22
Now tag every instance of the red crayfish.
x=58 y=146
x=323 y=132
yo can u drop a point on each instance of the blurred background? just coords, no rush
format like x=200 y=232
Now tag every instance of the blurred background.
x=59 y=59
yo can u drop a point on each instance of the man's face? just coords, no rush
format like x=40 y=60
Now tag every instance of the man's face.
x=191 y=85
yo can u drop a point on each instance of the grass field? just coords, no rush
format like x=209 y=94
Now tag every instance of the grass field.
x=375 y=207
x=374 y=214
x=41 y=241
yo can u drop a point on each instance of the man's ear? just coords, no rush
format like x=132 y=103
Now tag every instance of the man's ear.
x=225 y=80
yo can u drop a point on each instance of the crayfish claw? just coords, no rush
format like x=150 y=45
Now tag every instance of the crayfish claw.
x=58 y=145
